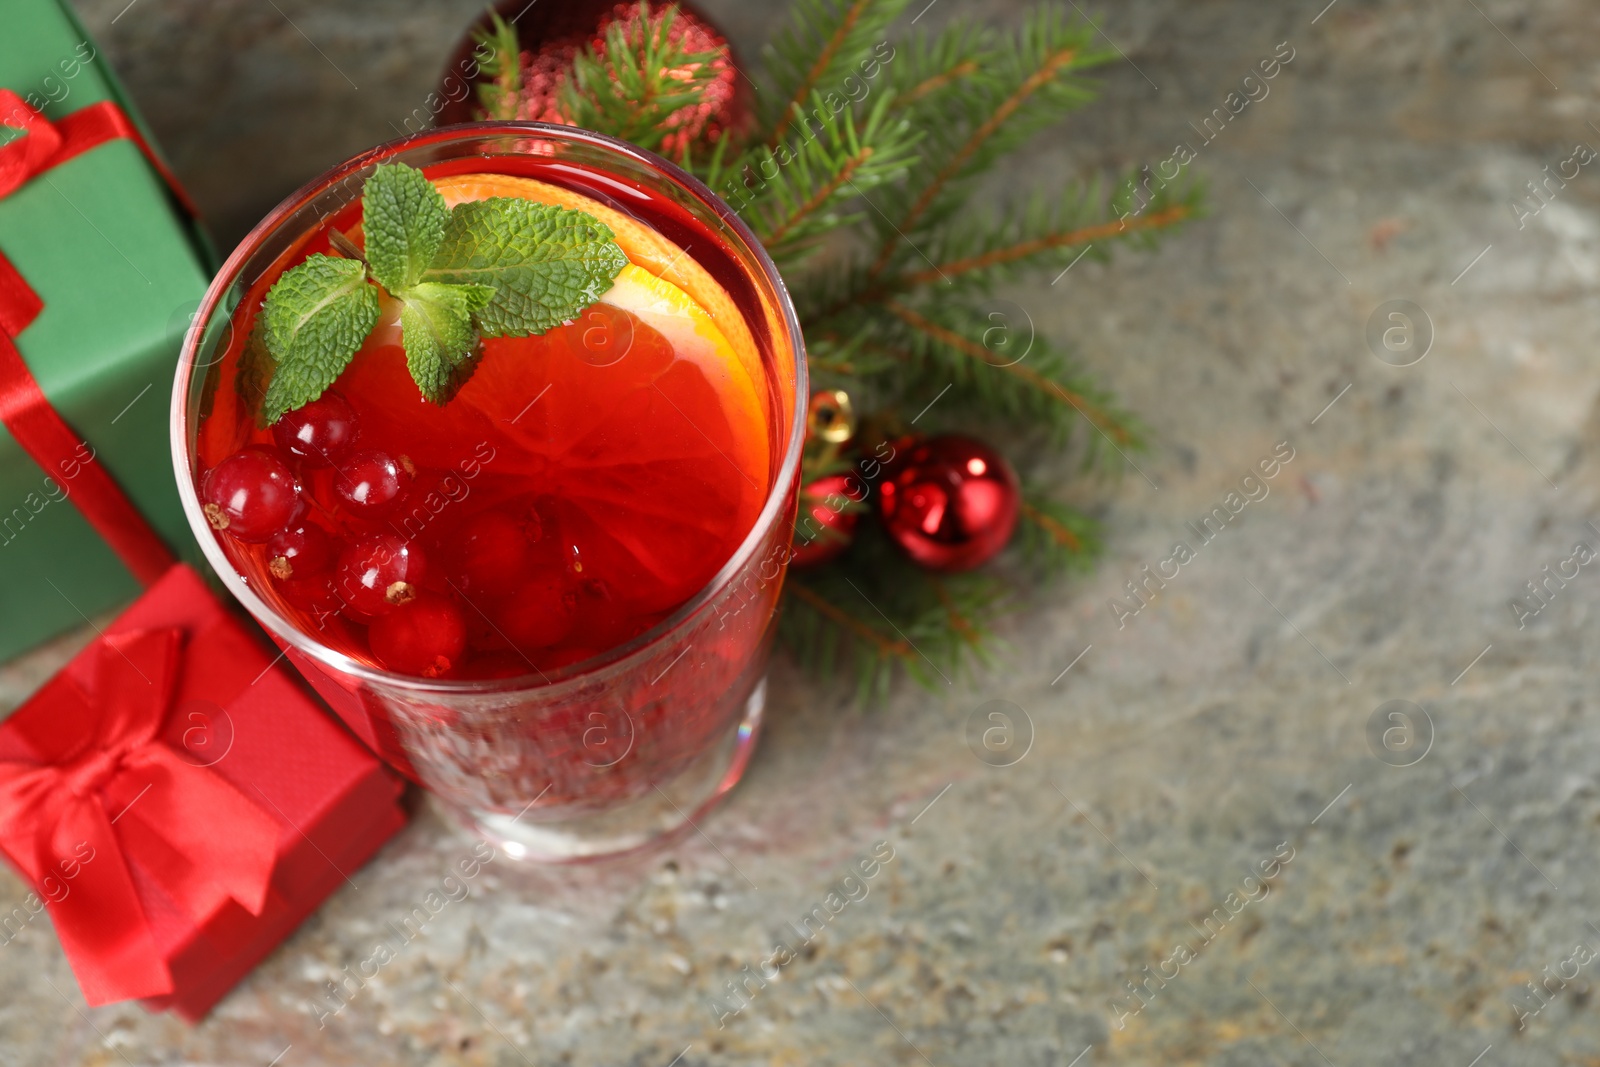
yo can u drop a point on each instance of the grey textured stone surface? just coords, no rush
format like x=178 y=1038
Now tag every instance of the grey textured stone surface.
x=1225 y=720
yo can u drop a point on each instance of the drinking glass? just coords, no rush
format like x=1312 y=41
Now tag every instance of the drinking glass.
x=632 y=745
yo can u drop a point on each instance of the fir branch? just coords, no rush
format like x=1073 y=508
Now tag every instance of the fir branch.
x=814 y=203
x=500 y=59
x=941 y=628
x=830 y=366
x=935 y=82
x=1012 y=254
x=897 y=649
x=1116 y=427
x=1029 y=88
x=827 y=300
x=635 y=86
x=958 y=622
x=928 y=67
x=1057 y=61
x=852 y=15
x=824 y=41
x=853 y=360
x=803 y=192
x=1058 y=532
x=990 y=247
x=1054 y=537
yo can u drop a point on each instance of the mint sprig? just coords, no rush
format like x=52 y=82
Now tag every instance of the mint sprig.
x=502 y=267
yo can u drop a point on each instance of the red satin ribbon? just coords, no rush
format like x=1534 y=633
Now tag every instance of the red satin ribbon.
x=24 y=410
x=105 y=779
x=49 y=144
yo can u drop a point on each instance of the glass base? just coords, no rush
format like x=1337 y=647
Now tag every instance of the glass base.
x=671 y=809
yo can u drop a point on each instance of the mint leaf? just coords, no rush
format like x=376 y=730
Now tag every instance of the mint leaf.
x=502 y=267
x=315 y=318
x=404 y=219
x=546 y=263
x=436 y=329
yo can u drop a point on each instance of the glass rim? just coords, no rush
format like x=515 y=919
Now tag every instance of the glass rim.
x=571 y=675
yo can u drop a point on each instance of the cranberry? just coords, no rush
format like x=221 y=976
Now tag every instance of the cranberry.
x=321 y=433
x=426 y=637
x=369 y=483
x=251 y=495
x=539 y=612
x=300 y=552
x=379 y=573
x=490 y=553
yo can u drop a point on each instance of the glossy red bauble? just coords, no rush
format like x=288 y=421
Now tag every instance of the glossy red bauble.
x=950 y=503
x=552 y=34
x=824 y=529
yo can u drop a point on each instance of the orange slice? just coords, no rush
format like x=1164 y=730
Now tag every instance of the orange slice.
x=643 y=246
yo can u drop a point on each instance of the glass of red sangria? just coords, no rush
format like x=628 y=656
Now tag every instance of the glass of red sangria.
x=513 y=485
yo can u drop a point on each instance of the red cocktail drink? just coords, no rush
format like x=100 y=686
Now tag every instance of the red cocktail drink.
x=553 y=583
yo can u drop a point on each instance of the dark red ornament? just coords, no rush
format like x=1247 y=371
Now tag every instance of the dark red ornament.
x=551 y=36
x=949 y=502
x=824 y=530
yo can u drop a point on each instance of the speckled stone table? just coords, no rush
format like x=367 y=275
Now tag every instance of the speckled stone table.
x=1202 y=857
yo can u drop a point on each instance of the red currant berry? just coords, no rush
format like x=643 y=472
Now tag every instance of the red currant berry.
x=251 y=495
x=490 y=553
x=369 y=483
x=321 y=433
x=539 y=612
x=300 y=552
x=379 y=573
x=426 y=637
x=315 y=594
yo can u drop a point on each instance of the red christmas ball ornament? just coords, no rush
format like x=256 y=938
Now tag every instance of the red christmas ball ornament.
x=950 y=502
x=552 y=35
x=824 y=529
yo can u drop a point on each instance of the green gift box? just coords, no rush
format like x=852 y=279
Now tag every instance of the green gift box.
x=119 y=268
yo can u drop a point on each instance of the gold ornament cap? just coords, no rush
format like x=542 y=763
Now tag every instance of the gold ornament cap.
x=831 y=417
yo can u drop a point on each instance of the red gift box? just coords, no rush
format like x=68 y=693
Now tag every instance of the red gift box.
x=182 y=802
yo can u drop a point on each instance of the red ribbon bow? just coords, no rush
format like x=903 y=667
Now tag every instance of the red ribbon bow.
x=104 y=778
x=24 y=410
